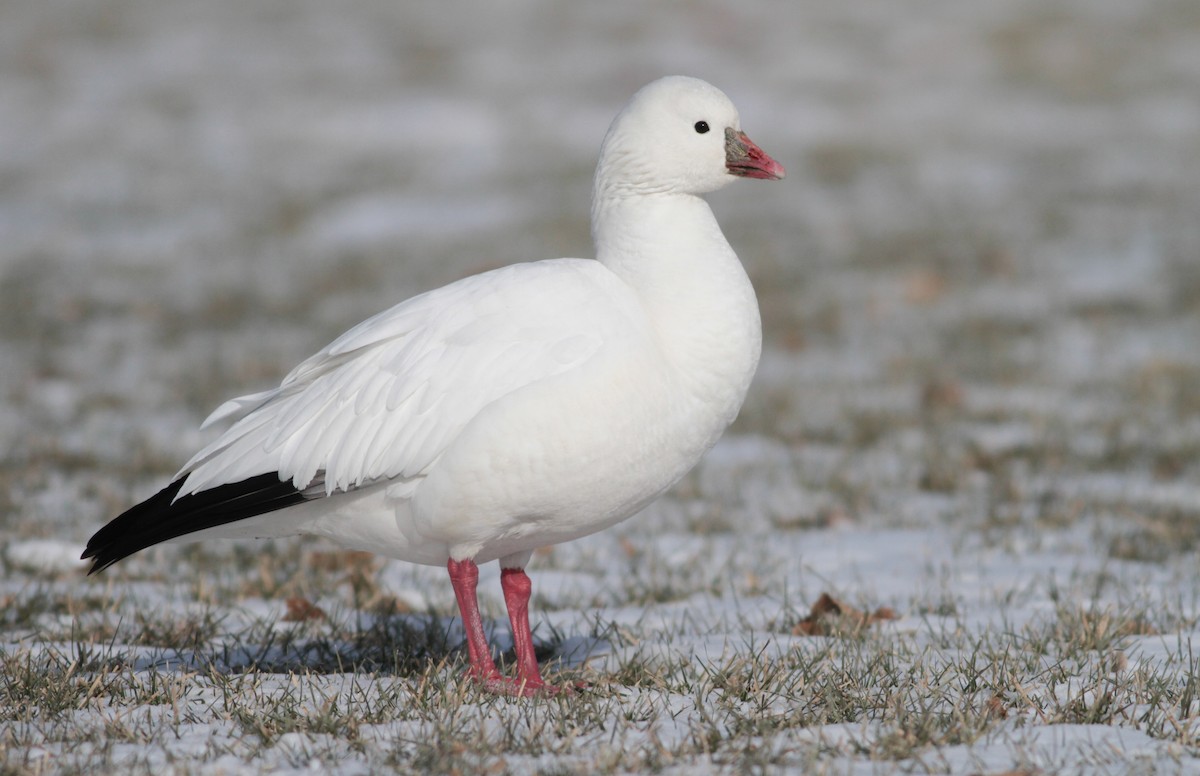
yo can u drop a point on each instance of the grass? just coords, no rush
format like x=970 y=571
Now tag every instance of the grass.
x=385 y=691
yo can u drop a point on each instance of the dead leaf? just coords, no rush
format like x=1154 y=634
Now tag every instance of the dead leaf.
x=385 y=604
x=924 y=287
x=942 y=393
x=830 y=616
x=300 y=609
x=343 y=560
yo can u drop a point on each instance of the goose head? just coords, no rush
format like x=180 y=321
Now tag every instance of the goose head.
x=678 y=135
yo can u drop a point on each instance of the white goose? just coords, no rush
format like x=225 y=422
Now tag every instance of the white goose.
x=511 y=410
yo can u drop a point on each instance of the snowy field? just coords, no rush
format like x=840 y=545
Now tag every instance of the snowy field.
x=978 y=407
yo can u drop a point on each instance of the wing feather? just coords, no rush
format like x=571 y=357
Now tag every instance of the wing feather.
x=385 y=400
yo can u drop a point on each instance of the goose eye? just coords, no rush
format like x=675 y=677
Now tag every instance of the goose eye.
x=701 y=127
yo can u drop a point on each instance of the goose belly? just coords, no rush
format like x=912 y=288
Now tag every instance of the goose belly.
x=562 y=461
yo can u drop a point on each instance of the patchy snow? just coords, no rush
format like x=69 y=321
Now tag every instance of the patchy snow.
x=41 y=557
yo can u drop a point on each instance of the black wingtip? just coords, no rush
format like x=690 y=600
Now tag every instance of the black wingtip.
x=161 y=517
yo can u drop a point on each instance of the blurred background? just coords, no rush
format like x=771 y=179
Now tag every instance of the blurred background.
x=980 y=281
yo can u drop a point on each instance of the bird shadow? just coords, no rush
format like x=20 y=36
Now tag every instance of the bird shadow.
x=400 y=645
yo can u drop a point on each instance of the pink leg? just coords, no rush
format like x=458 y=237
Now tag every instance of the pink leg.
x=517 y=589
x=464 y=576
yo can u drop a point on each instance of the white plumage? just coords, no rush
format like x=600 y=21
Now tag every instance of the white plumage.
x=521 y=407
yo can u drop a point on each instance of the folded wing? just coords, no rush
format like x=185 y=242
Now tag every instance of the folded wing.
x=384 y=400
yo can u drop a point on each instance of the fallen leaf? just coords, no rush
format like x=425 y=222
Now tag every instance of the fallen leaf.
x=830 y=616
x=300 y=609
x=343 y=560
x=924 y=287
x=385 y=604
x=941 y=394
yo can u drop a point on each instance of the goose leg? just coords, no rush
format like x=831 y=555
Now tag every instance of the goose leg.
x=464 y=576
x=517 y=589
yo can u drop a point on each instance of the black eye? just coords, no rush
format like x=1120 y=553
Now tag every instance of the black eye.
x=701 y=127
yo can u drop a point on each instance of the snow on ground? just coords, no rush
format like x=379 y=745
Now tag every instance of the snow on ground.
x=979 y=403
